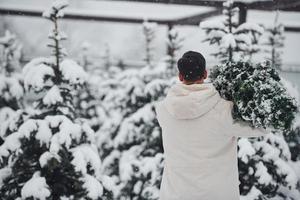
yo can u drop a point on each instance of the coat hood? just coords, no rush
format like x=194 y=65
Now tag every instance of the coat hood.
x=191 y=101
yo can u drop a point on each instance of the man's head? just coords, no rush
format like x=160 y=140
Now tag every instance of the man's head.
x=191 y=68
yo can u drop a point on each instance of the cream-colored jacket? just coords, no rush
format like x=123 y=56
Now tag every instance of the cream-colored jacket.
x=200 y=144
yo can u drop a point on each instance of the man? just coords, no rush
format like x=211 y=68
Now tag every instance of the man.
x=199 y=137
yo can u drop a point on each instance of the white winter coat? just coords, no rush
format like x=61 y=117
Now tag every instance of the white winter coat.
x=200 y=144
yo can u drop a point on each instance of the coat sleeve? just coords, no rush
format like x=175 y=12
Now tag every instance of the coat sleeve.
x=241 y=129
x=157 y=107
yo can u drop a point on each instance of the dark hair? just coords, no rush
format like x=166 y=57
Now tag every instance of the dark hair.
x=191 y=65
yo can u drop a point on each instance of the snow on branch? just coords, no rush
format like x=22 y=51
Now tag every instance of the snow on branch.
x=38 y=74
x=36 y=187
x=72 y=72
x=56 y=10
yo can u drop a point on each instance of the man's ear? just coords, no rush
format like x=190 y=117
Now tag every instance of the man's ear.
x=180 y=77
x=205 y=74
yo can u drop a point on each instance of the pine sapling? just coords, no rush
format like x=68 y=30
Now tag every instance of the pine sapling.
x=275 y=43
x=234 y=42
x=149 y=33
x=174 y=44
x=52 y=154
x=11 y=84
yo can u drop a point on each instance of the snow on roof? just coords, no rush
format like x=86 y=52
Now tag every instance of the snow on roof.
x=290 y=19
x=113 y=9
x=266 y=18
x=251 y=1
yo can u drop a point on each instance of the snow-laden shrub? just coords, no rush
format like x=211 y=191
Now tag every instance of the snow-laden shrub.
x=258 y=94
x=130 y=138
x=266 y=169
x=174 y=44
x=11 y=86
x=11 y=82
x=149 y=33
x=275 y=42
x=233 y=41
x=10 y=53
x=51 y=154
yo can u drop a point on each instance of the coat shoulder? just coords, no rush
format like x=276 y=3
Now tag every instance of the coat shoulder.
x=158 y=106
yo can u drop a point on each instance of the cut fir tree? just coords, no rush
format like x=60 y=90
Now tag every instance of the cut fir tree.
x=259 y=97
x=51 y=155
x=260 y=100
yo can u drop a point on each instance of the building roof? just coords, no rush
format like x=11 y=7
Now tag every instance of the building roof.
x=121 y=11
x=285 y=5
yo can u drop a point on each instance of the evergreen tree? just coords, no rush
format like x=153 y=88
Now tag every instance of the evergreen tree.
x=107 y=58
x=293 y=137
x=266 y=169
x=51 y=155
x=258 y=94
x=234 y=41
x=130 y=141
x=174 y=43
x=11 y=53
x=149 y=33
x=84 y=56
x=253 y=31
x=88 y=106
x=11 y=86
x=85 y=100
x=275 y=42
x=293 y=140
x=261 y=100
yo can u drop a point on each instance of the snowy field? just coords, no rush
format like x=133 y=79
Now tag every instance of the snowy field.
x=78 y=98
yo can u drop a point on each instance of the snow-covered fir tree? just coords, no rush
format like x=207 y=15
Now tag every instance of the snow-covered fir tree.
x=293 y=140
x=233 y=41
x=261 y=100
x=253 y=32
x=88 y=106
x=107 y=57
x=266 y=169
x=11 y=53
x=130 y=141
x=120 y=64
x=275 y=42
x=174 y=44
x=85 y=100
x=51 y=155
x=149 y=34
x=11 y=84
x=259 y=96
x=84 y=55
x=11 y=87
